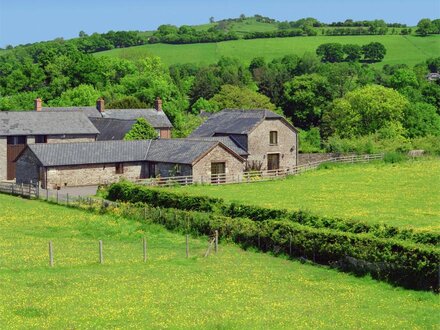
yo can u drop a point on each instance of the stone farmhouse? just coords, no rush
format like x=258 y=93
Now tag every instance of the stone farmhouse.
x=103 y=162
x=122 y=119
x=19 y=129
x=268 y=140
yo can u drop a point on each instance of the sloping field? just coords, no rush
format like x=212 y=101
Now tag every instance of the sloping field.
x=409 y=50
x=231 y=290
x=405 y=194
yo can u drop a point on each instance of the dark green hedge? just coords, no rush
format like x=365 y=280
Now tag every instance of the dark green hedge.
x=397 y=262
x=129 y=192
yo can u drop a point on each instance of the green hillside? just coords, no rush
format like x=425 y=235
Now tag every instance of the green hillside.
x=234 y=289
x=400 y=49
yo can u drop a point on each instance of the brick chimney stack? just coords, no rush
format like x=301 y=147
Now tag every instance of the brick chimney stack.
x=158 y=104
x=38 y=104
x=100 y=105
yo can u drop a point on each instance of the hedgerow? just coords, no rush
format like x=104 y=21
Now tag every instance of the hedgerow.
x=129 y=192
x=401 y=263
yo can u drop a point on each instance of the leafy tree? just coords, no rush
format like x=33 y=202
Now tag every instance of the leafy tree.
x=353 y=52
x=374 y=52
x=83 y=95
x=204 y=105
x=129 y=102
x=421 y=119
x=366 y=110
x=305 y=99
x=211 y=20
x=330 y=52
x=424 y=27
x=342 y=77
x=235 y=97
x=82 y=34
x=433 y=64
x=141 y=130
x=403 y=78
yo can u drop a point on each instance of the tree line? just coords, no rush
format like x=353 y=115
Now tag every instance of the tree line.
x=329 y=100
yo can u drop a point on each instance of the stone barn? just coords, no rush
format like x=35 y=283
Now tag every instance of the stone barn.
x=103 y=162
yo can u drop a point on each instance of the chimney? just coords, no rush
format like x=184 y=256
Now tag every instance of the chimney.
x=158 y=104
x=37 y=104
x=100 y=105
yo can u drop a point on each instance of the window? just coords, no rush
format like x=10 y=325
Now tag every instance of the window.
x=14 y=140
x=273 y=138
x=41 y=139
x=218 y=172
x=119 y=168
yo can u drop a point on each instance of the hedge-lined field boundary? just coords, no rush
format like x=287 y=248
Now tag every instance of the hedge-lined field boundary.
x=129 y=192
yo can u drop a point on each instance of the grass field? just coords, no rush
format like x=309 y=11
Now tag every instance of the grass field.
x=400 y=49
x=231 y=290
x=405 y=194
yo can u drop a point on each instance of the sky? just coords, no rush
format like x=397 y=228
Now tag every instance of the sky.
x=27 y=21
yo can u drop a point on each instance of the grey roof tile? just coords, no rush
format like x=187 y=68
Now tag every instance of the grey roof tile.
x=178 y=151
x=43 y=123
x=226 y=140
x=112 y=129
x=231 y=121
x=90 y=112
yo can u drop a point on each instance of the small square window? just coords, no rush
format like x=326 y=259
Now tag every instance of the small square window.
x=273 y=138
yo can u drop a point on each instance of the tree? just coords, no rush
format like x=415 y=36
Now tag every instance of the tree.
x=235 y=97
x=305 y=99
x=374 y=52
x=129 y=102
x=433 y=64
x=330 y=52
x=141 y=130
x=403 y=78
x=83 y=95
x=82 y=34
x=424 y=27
x=353 y=52
x=421 y=119
x=366 y=110
x=211 y=20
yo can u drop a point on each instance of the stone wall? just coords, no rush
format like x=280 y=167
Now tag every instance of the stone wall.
x=70 y=138
x=27 y=168
x=88 y=175
x=3 y=157
x=259 y=144
x=315 y=157
x=202 y=169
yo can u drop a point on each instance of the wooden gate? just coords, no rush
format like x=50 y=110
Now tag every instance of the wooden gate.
x=13 y=150
x=273 y=162
x=218 y=171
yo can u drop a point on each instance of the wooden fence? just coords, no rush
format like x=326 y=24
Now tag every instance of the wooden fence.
x=254 y=176
x=25 y=190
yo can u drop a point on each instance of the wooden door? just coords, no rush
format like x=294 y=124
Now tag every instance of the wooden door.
x=218 y=171
x=12 y=152
x=273 y=162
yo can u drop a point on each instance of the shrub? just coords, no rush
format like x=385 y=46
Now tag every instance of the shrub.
x=393 y=157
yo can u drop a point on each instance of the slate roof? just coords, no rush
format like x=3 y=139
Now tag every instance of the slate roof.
x=104 y=152
x=90 y=112
x=157 y=119
x=230 y=121
x=226 y=140
x=43 y=123
x=112 y=129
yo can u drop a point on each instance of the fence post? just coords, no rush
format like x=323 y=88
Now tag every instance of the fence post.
x=67 y=198
x=216 y=241
x=22 y=189
x=187 y=246
x=101 y=256
x=47 y=194
x=57 y=196
x=50 y=254
x=144 y=245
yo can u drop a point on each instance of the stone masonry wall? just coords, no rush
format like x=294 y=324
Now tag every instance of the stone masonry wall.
x=70 y=138
x=316 y=157
x=3 y=157
x=88 y=175
x=202 y=169
x=259 y=144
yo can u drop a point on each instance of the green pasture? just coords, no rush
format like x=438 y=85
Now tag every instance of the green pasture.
x=234 y=289
x=405 y=194
x=409 y=50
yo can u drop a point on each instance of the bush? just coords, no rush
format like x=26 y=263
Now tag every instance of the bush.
x=394 y=157
x=405 y=264
x=129 y=192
